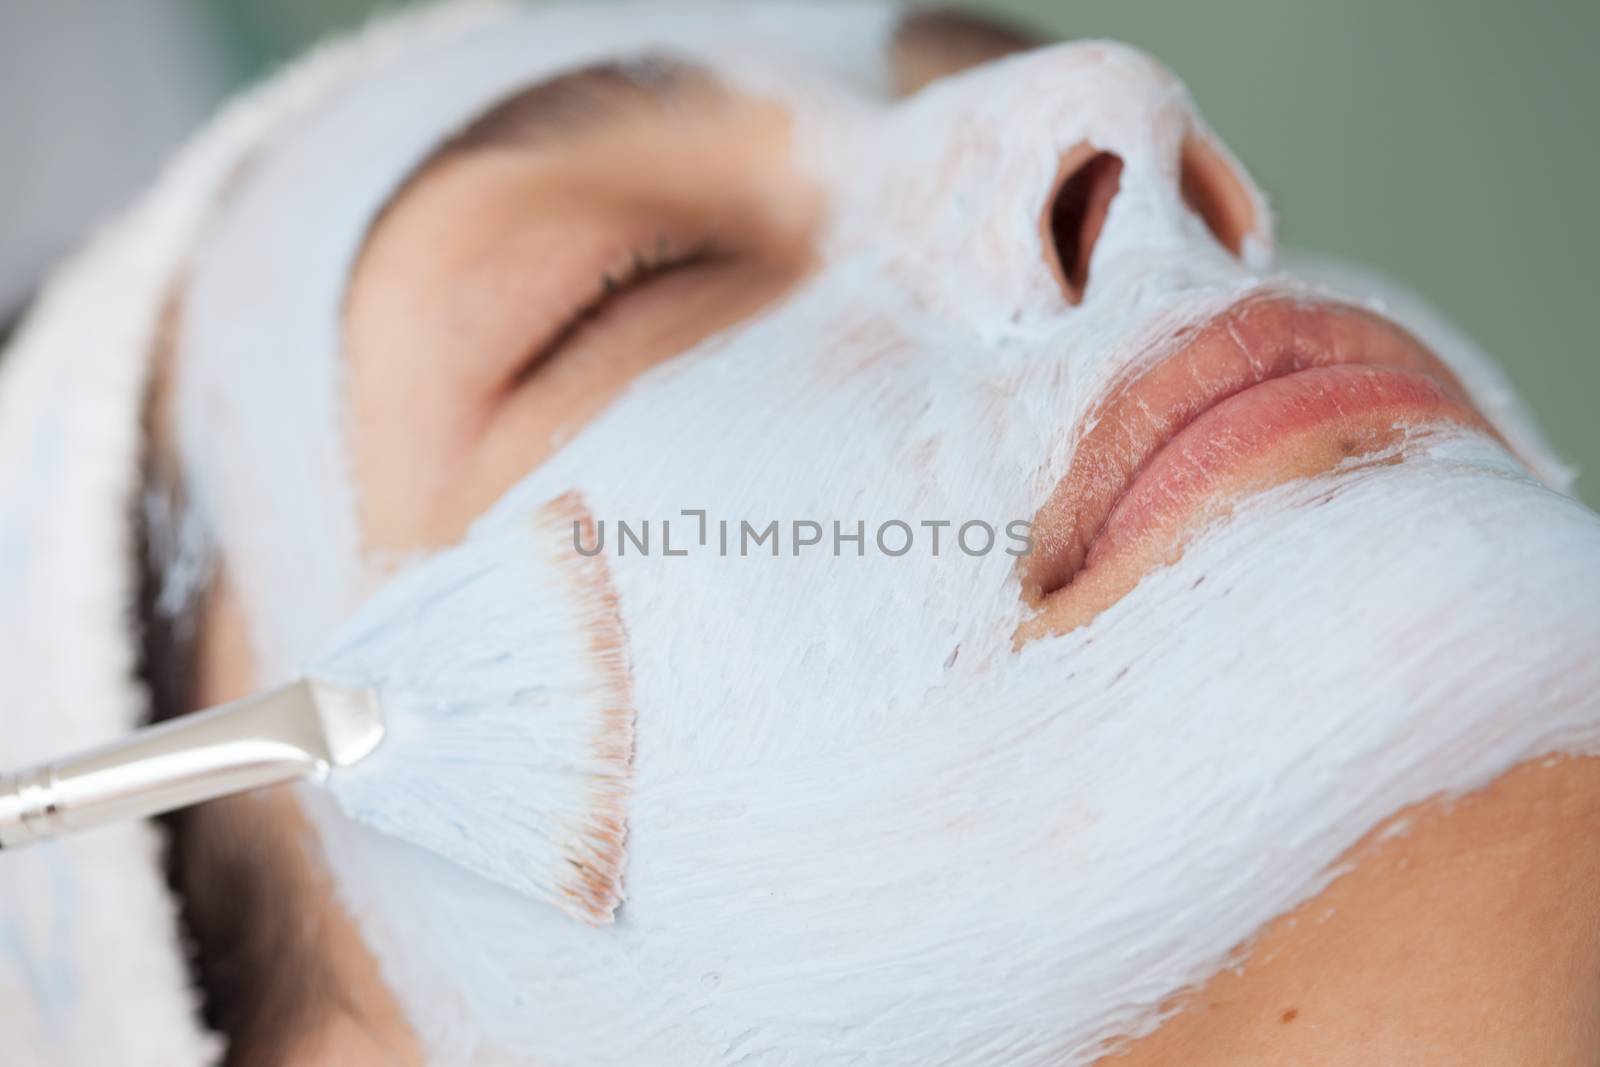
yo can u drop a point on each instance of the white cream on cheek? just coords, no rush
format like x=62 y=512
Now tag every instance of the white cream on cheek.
x=845 y=842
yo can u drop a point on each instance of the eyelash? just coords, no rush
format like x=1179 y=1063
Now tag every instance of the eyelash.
x=644 y=266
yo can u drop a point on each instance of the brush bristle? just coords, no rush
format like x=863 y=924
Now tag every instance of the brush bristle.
x=502 y=668
x=595 y=888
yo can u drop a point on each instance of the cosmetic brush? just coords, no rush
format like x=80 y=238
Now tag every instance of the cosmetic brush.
x=479 y=705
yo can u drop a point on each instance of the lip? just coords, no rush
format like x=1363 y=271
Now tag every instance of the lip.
x=1273 y=388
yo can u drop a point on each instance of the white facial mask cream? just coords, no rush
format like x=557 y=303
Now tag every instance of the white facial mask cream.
x=864 y=825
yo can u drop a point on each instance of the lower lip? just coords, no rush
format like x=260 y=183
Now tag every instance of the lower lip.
x=1302 y=424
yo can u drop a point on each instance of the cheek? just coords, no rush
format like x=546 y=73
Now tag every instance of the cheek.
x=411 y=415
x=820 y=415
x=436 y=446
x=426 y=472
x=409 y=443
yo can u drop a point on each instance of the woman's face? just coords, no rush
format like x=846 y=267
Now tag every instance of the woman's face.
x=709 y=273
x=610 y=220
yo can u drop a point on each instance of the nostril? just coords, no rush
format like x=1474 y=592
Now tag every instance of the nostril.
x=1213 y=191
x=1077 y=213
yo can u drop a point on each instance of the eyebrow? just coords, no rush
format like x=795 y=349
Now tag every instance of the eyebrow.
x=931 y=43
x=565 y=107
x=581 y=101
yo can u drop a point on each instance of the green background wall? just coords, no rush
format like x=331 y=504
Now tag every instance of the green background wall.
x=1452 y=143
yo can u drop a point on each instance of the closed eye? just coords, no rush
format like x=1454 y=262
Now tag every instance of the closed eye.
x=637 y=271
x=516 y=285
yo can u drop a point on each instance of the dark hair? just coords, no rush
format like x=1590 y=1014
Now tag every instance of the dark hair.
x=10 y=319
x=264 y=982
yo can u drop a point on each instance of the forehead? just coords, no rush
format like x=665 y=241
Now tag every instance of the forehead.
x=917 y=48
x=921 y=47
x=869 y=51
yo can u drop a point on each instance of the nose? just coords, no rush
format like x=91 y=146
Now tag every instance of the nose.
x=1074 y=215
x=1046 y=176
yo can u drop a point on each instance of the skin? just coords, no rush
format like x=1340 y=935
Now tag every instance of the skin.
x=437 y=441
x=1472 y=936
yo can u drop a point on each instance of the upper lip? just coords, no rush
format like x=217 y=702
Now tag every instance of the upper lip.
x=1257 y=339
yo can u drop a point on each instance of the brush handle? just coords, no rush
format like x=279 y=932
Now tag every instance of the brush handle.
x=263 y=740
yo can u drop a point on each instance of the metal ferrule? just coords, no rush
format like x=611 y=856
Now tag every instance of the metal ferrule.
x=296 y=732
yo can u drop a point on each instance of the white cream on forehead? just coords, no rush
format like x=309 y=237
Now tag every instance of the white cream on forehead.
x=862 y=823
